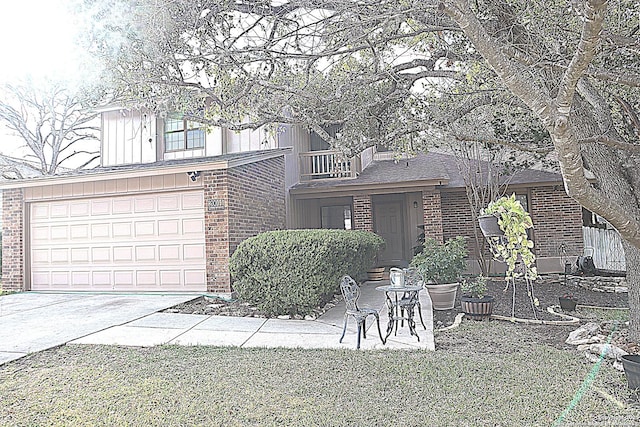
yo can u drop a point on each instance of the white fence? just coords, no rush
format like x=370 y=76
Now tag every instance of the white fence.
x=607 y=248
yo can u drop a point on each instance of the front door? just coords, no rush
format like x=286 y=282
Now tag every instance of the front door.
x=388 y=223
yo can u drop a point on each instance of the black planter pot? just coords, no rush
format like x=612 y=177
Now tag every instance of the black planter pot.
x=631 y=364
x=567 y=304
x=489 y=226
x=477 y=308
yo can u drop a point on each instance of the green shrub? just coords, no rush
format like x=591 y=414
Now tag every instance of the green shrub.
x=295 y=271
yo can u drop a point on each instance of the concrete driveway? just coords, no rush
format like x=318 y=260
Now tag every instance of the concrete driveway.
x=32 y=322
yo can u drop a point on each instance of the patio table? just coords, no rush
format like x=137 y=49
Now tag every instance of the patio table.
x=401 y=301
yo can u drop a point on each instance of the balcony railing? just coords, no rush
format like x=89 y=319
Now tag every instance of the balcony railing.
x=327 y=164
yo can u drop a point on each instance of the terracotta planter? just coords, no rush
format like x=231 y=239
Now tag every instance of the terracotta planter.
x=375 y=274
x=489 y=226
x=631 y=365
x=443 y=297
x=477 y=308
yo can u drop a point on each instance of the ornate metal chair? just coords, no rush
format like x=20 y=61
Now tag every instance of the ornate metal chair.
x=351 y=292
x=411 y=300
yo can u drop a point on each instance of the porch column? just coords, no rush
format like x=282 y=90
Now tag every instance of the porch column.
x=432 y=214
x=13 y=240
x=216 y=226
x=362 y=214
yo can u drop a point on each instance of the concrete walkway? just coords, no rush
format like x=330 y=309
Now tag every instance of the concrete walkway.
x=31 y=322
x=193 y=329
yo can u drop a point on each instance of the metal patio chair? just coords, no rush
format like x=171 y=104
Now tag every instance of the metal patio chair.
x=351 y=292
x=411 y=300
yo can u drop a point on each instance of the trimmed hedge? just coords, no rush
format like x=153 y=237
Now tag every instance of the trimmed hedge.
x=294 y=271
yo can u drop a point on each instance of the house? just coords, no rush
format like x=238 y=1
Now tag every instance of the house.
x=171 y=201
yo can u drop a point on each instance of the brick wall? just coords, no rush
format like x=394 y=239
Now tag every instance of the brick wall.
x=457 y=220
x=362 y=214
x=239 y=203
x=256 y=200
x=432 y=214
x=556 y=219
x=216 y=230
x=13 y=240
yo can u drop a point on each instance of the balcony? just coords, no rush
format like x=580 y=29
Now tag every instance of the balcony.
x=328 y=164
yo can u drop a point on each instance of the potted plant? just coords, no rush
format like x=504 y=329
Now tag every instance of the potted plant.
x=512 y=244
x=474 y=301
x=568 y=302
x=440 y=266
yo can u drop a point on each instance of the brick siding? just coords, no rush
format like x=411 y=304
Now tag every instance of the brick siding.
x=13 y=240
x=457 y=220
x=557 y=219
x=362 y=214
x=432 y=214
x=239 y=203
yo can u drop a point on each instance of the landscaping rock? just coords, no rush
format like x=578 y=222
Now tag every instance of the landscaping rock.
x=583 y=334
x=591 y=357
x=609 y=350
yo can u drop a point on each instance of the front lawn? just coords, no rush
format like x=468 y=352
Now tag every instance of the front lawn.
x=495 y=374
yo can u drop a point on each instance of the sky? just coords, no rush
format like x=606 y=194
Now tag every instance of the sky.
x=36 y=41
x=37 y=38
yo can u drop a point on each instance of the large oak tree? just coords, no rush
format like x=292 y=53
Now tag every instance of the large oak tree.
x=55 y=128
x=548 y=77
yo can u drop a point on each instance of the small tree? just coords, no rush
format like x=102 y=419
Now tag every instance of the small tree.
x=56 y=126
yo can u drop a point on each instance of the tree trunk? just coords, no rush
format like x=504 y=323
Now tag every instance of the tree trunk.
x=632 y=255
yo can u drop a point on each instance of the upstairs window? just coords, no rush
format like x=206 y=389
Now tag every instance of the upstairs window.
x=182 y=134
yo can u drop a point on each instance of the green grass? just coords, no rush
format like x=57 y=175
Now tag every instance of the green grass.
x=488 y=374
x=601 y=314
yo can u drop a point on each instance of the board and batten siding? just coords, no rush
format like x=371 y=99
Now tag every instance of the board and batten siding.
x=128 y=137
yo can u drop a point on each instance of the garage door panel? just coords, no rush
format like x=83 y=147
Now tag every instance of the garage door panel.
x=79 y=209
x=40 y=211
x=193 y=252
x=80 y=231
x=123 y=253
x=59 y=232
x=40 y=256
x=59 y=255
x=122 y=206
x=169 y=203
x=192 y=201
x=145 y=253
x=194 y=277
x=145 y=204
x=79 y=255
x=59 y=279
x=123 y=279
x=100 y=207
x=101 y=254
x=122 y=229
x=145 y=228
x=141 y=242
x=170 y=278
x=193 y=226
x=146 y=278
x=169 y=227
x=59 y=210
x=99 y=231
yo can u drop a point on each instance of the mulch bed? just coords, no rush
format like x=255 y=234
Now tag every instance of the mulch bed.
x=547 y=290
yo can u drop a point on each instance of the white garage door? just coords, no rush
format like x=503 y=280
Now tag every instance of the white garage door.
x=147 y=242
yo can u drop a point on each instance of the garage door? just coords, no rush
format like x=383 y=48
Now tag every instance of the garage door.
x=149 y=242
